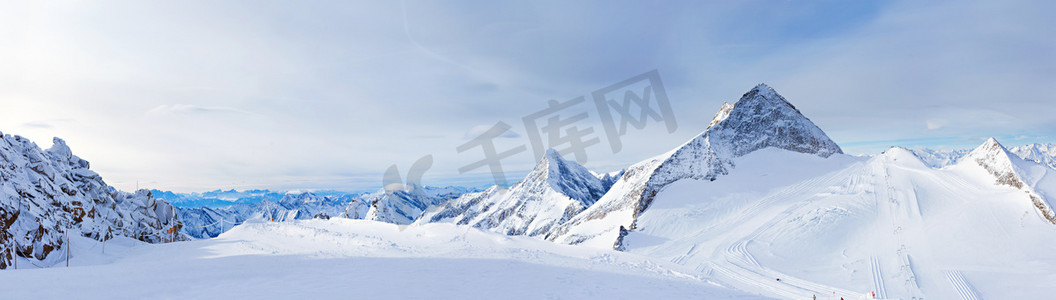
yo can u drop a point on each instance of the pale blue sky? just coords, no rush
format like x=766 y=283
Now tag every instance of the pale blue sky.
x=198 y=95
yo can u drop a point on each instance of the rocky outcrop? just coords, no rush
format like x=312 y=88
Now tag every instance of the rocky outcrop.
x=44 y=194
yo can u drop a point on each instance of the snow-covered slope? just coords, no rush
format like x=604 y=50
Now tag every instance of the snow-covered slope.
x=550 y=195
x=341 y=258
x=760 y=119
x=44 y=194
x=793 y=225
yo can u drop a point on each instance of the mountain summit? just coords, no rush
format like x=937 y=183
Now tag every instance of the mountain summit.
x=763 y=118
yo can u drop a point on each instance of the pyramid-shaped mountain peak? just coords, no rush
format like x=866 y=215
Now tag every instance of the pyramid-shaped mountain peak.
x=990 y=148
x=763 y=118
x=566 y=177
x=993 y=157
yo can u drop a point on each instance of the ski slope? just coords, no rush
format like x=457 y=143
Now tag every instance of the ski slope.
x=887 y=226
x=342 y=258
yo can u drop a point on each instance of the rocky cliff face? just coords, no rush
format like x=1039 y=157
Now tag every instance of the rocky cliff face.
x=45 y=193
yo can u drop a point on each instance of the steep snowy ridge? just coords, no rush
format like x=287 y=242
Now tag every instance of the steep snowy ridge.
x=760 y=119
x=548 y=196
x=45 y=194
x=1011 y=170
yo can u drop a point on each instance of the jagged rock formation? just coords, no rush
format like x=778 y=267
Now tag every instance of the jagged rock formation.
x=760 y=119
x=554 y=192
x=44 y=194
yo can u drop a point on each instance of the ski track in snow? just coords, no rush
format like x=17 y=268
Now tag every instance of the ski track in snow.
x=751 y=272
x=878 y=278
x=963 y=287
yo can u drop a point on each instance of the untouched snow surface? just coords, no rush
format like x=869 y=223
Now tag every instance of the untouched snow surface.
x=342 y=258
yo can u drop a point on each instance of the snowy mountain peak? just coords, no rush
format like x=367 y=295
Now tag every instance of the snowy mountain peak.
x=765 y=91
x=763 y=118
x=568 y=178
x=723 y=113
x=990 y=148
x=997 y=160
x=904 y=157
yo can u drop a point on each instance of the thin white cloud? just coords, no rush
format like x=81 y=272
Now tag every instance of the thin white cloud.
x=38 y=124
x=193 y=109
x=478 y=130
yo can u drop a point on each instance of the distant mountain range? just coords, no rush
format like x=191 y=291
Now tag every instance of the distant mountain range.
x=1044 y=154
x=221 y=198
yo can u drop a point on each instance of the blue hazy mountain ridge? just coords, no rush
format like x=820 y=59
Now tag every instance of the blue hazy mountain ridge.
x=223 y=198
